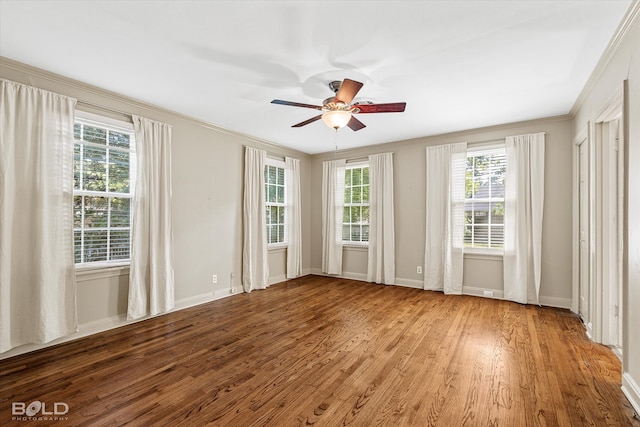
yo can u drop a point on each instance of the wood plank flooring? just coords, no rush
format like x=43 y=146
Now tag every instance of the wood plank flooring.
x=330 y=352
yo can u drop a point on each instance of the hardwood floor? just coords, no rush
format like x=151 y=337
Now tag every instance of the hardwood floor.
x=328 y=352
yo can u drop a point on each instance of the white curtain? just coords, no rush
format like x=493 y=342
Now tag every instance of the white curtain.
x=446 y=169
x=294 y=218
x=332 y=213
x=37 y=270
x=255 y=265
x=524 y=201
x=382 y=258
x=151 y=277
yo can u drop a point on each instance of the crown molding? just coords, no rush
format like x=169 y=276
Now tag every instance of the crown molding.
x=627 y=22
x=133 y=104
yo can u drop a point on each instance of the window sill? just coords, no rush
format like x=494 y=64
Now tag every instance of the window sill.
x=483 y=255
x=101 y=271
x=277 y=247
x=352 y=246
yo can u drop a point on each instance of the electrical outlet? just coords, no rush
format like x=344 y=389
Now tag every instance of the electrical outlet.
x=419 y=269
x=214 y=278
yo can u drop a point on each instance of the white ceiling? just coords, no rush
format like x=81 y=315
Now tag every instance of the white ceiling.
x=457 y=64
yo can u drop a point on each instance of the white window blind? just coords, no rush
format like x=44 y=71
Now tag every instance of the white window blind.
x=104 y=173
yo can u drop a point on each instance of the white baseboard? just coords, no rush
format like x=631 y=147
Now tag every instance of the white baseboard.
x=556 y=302
x=118 y=321
x=632 y=391
x=277 y=279
x=410 y=283
x=480 y=292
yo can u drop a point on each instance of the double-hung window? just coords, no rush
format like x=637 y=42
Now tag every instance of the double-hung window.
x=275 y=195
x=355 y=221
x=104 y=173
x=484 y=199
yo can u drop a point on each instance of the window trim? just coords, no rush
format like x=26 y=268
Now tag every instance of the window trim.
x=93 y=268
x=285 y=243
x=475 y=150
x=356 y=243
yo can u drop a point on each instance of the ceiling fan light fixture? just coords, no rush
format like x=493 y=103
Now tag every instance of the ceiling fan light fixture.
x=336 y=119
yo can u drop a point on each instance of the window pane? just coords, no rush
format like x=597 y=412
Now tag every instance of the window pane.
x=365 y=194
x=95 y=246
x=280 y=194
x=95 y=134
x=274 y=214
x=120 y=212
x=356 y=194
x=346 y=232
x=365 y=175
x=77 y=245
x=77 y=211
x=94 y=169
x=273 y=234
x=355 y=233
x=95 y=212
x=118 y=171
x=365 y=214
x=497 y=213
x=77 y=162
x=272 y=194
x=355 y=214
x=347 y=195
x=117 y=139
x=281 y=233
x=365 y=233
x=281 y=214
x=77 y=131
x=280 y=172
x=468 y=235
x=347 y=177
x=357 y=176
x=346 y=214
x=272 y=175
x=497 y=236
x=119 y=247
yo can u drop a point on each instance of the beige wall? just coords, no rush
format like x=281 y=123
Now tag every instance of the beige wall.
x=623 y=64
x=480 y=272
x=207 y=167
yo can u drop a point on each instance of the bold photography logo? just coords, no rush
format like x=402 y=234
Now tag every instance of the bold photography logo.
x=38 y=410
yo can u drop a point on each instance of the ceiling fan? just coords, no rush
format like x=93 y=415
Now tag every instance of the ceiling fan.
x=338 y=111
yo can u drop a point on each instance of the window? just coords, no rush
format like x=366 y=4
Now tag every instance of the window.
x=484 y=199
x=275 y=196
x=355 y=221
x=103 y=175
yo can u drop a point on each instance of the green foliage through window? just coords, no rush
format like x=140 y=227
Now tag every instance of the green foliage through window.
x=355 y=221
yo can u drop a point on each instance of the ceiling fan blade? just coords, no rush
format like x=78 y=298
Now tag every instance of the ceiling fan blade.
x=296 y=104
x=355 y=124
x=306 y=122
x=396 y=107
x=348 y=90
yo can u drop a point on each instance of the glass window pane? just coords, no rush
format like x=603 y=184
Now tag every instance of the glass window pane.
x=95 y=134
x=365 y=194
x=346 y=232
x=77 y=165
x=274 y=214
x=77 y=245
x=119 y=245
x=497 y=236
x=365 y=175
x=272 y=195
x=346 y=214
x=356 y=194
x=357 y=176
x=280 y=194
x=497 y=213
x=355 y=214
x=272 y=175
x=96 y=212
x=281 y=214
x=347 y=195
x=117 y=139
x=365 y=233
x=94 y=169
x=77 y=211
x=468 y=235
x=273 y=234
x=365 y=215
x=347 y=177
x=118 y=172
x=77 y=131
x=95 y=246
x=280 y=172
x=355 y=233
x=120 y=212
x=280 y=233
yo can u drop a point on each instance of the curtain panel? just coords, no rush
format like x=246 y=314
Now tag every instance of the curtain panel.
x=294 y=218
x=444 y=240
x=332 y=213
x=381 y=266
x=255 y=265
x=524 y=203
x=37 y=266
x=151 y=275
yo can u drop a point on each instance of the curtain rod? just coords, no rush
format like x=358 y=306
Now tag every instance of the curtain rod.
x=102 y=108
